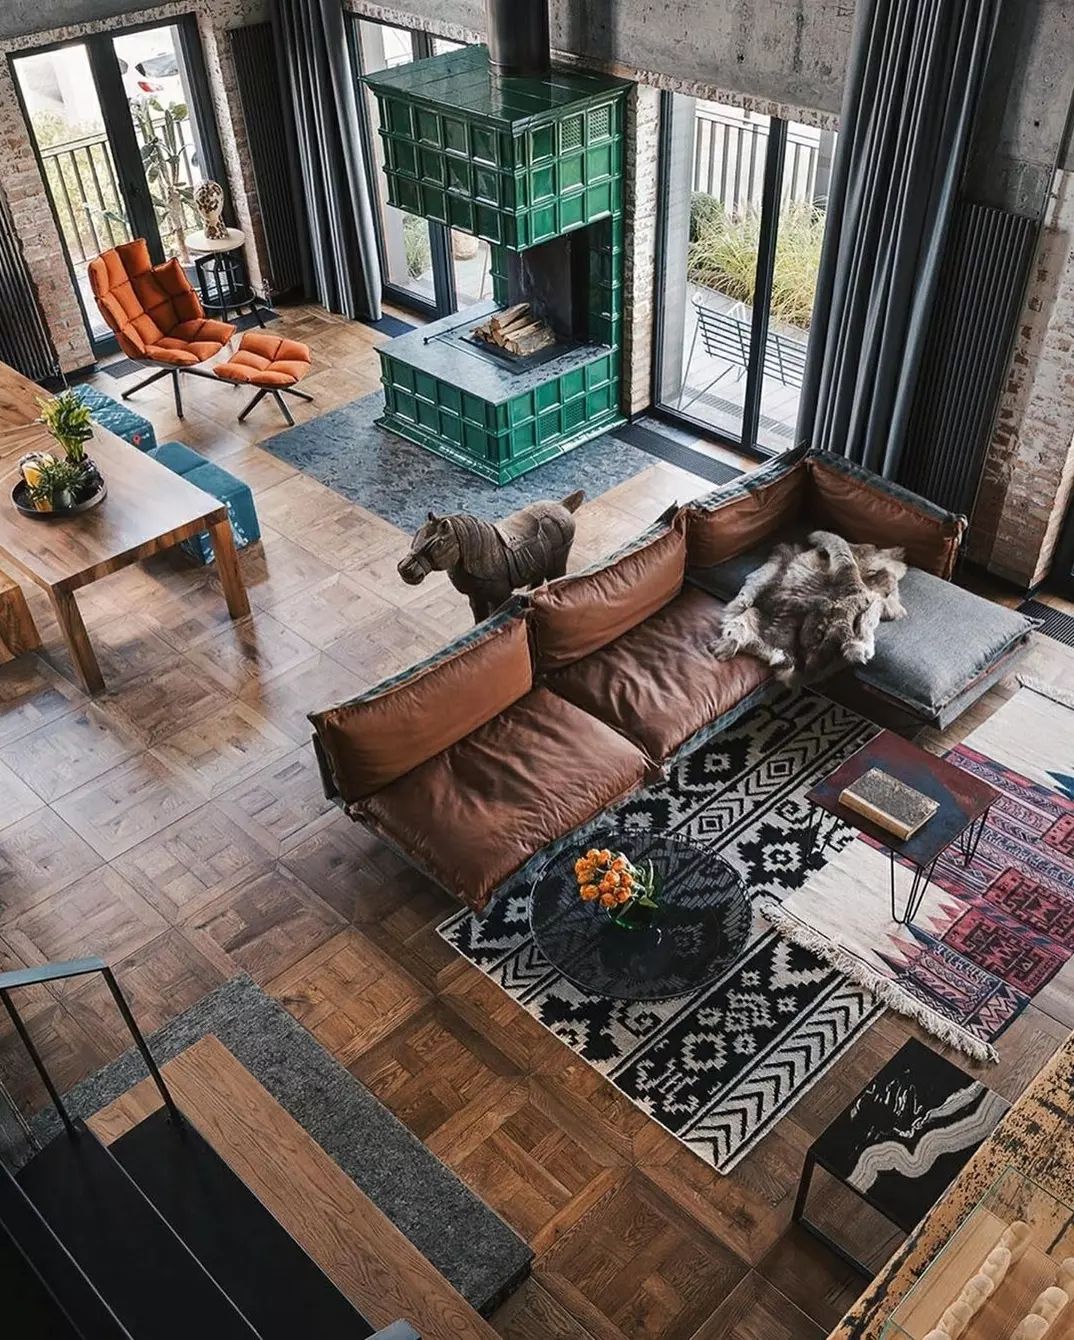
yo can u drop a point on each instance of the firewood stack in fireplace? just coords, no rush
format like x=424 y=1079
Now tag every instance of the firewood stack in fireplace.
x=516 y=330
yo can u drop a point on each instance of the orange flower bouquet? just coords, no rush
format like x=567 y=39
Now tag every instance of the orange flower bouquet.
x=630 y=894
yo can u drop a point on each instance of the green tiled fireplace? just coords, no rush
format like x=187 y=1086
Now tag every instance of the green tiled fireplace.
x=533 y=166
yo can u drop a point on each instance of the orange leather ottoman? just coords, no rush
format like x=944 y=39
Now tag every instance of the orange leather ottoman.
x=271 y=364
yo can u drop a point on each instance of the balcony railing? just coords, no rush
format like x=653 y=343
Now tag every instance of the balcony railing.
x=81 y=178
x=729 y=159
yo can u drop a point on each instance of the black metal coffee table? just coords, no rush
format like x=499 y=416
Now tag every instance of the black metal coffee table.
x=703 y=922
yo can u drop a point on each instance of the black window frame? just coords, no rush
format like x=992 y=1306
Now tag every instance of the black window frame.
x=104 y=67
x=446 y=300
x=775 y=157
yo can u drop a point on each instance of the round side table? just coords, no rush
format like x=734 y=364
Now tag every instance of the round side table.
x=222 y=277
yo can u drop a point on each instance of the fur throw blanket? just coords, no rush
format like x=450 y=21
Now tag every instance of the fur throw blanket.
x=812 y=609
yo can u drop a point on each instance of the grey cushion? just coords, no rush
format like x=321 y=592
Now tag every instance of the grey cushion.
x=948 y=640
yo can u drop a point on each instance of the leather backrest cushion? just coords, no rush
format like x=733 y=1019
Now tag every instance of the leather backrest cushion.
x=869 y=511
x=384 y=734
x=573 y=616
x=746 y=512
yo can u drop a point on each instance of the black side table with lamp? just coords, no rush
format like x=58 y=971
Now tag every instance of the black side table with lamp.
x=222 y=278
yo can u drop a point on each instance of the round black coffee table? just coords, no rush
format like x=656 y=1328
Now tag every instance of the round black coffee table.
x=703 y=922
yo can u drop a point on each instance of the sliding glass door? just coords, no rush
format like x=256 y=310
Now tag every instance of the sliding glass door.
x=741 y=222
x=122 y=131
x=425 y=266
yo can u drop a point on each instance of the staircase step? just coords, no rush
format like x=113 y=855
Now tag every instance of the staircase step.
x=28 y=1307
x=251 y=1256
x=23 y=1228
x=150 y=1279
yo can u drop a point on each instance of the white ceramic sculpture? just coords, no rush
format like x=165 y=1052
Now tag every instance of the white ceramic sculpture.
x=209 y=202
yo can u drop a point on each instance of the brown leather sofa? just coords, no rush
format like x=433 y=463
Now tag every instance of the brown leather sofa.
x=478 y=761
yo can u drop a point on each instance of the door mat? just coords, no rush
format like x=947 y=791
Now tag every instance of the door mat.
x=717 y=1068
x=648 y=435
x=1053 y=622
x=989 y=938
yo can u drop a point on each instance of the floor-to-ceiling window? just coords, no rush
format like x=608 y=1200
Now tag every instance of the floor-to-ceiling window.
x=122 y=129
x=742 y=217
x=426 y=266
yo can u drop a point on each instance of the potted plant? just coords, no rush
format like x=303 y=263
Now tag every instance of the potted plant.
x=54 y=483
x=69 y=424
x=628 y=893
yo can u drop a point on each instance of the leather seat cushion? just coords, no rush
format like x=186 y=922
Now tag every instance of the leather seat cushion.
x=266 y=360
x=659 y=684
x=574 y=616
x=477 y=812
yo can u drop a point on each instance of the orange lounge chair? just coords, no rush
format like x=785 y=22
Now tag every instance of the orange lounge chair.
x=155 y=313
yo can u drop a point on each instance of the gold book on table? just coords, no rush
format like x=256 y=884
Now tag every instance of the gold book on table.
x=889 y=803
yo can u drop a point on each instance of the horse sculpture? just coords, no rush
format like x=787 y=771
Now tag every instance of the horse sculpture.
x=487 y=560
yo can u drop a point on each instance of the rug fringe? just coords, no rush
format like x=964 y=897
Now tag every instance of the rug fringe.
x=885 y=990
x=1058 y=695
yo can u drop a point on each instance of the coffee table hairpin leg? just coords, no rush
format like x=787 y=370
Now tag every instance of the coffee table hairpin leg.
x=970 y=839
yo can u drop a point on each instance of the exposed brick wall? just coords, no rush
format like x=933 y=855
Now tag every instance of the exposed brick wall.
x=26 y=193
x=1029 y=470
x=642 y=142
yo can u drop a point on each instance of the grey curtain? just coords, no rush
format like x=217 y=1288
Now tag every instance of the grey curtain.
x=916 y=68
x=343 y=249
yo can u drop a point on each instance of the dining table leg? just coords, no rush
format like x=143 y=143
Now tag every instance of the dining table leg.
x=227 y=564
x=77 y=639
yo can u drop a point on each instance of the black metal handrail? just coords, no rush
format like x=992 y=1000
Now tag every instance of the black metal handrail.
x=59 y=972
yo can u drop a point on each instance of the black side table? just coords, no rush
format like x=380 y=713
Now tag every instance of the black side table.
x=902 y=1141
x=222 y=277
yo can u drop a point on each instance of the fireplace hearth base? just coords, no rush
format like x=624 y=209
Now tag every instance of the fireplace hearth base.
x=496 y=420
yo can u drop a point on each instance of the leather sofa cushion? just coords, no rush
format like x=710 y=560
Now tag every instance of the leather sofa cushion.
x=869 y=510
x=476 y=813
x=746 y=512
x=573 y=616
x=659 y=684
x=379 y=736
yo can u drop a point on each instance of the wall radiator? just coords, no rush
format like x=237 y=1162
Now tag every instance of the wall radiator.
x=25 y=343
x=971 y=334
x=266 y=111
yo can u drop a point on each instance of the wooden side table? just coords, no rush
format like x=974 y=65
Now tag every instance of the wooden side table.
x=964 y=802
x=222 y=277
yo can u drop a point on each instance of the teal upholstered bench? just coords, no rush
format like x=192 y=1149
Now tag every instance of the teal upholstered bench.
x=117 y=418
x=221 y=484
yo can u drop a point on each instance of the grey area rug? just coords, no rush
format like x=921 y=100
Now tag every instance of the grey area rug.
x=401 y=482
x=468 y=1242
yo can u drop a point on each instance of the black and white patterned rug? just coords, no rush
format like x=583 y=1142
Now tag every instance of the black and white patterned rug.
x=720 y=1067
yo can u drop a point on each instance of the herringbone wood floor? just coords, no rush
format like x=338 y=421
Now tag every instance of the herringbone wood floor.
x=176 y=826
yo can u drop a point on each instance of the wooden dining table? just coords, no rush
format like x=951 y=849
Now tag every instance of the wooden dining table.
x=148 y=508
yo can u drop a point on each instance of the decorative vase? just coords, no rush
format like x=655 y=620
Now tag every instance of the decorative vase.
x=209 y=202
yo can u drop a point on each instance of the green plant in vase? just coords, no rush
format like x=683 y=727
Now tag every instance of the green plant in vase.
x=628 y=893
x=70 y=426
x=57 y=482
x=68 y=421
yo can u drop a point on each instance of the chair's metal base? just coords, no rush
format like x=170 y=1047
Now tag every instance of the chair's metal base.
x=277 y=393
x=173 y=373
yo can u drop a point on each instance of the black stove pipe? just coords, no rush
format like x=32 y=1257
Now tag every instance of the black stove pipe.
x=518 y=39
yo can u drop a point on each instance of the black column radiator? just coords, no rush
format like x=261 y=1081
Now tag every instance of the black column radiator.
x=25 y=342
x=981 y=288
x=269 y=129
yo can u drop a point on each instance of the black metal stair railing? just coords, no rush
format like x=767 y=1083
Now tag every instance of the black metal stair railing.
x=58 y=972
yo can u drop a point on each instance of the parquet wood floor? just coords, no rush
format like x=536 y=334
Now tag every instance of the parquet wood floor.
x=176 y=824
